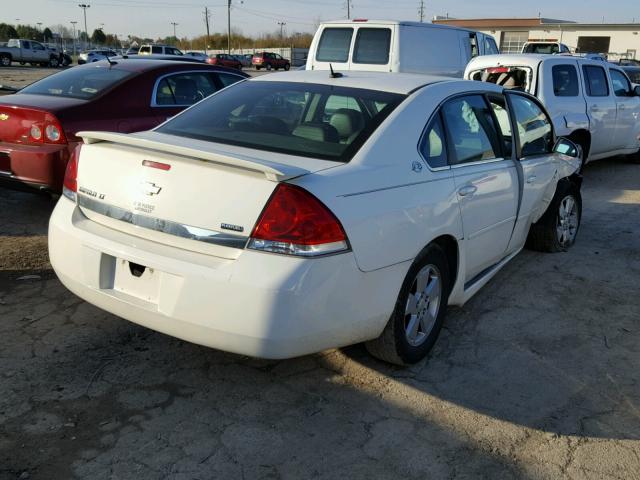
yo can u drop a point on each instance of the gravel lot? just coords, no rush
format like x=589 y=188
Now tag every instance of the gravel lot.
x=536 y=377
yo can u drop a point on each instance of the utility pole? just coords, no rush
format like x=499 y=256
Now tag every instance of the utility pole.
x=175 y=39
x=74 y=39
x=349 y=9
x=421 y=11
x=84 y=7
x=282 y=24
x=229 y=27
x=206 y=21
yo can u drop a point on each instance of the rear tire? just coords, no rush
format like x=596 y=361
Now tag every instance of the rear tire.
x=287 y=67
x=557 y=229
x=54 y=63
x=419 y=312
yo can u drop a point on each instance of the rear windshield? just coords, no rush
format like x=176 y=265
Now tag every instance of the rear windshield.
x=79 y=82
x=548 y=48
x=310 y=120
x=334 y=45
x=514 y=78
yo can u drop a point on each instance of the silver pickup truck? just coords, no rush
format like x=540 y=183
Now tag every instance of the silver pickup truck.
x=27 y=51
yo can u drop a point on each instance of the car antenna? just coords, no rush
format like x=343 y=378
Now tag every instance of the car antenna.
x=334 y=74
x=111 y=62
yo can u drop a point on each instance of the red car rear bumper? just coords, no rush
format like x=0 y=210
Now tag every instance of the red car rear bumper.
x=39 y=166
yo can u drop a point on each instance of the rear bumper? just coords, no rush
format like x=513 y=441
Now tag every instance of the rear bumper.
x=39 y=166
x=261 y=305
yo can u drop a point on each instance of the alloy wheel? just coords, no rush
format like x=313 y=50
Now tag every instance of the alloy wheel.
x=567 y=224
x=423 y=305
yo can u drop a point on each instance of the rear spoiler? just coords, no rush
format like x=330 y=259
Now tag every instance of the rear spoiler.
x=275 y=172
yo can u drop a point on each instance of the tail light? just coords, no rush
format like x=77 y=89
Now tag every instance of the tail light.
x=294 y=222
x=33 y=126
x=70 y=182
x=498 y=70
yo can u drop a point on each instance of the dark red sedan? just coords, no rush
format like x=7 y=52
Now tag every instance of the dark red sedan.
x=38 y=125
x=224 y=60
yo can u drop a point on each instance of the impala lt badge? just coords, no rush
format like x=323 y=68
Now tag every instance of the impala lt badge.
x=150 y=188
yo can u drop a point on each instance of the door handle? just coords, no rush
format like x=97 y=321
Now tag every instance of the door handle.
x=531 y=179
x=467 y=190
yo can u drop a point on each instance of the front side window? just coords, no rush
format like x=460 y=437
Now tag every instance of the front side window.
x=501 y=113
x=595 y=81
x=534 y=127
x=78 y=82
x=286 y=117
x=372 y=46
x=184 y=89
x=334 y=45
x=620 y=82
x=565 y=81
x=471 y=129
x=433 y=146
x=36 y=46
x=227 y=79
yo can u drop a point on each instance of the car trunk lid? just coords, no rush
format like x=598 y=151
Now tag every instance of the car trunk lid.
x=182 y=192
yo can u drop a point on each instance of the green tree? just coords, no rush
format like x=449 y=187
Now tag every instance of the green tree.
x=98 y=37
x=47 y=34
x=28 y=32
x=7 y=32
x=83 y=37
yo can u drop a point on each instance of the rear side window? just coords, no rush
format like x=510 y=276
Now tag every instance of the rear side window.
x=471 y=129
x=595 y=80
x=433 y=146
x=372 y=46
x=565 y=81
x=334 y=45
x=156 y=49
x=620 y=82
x=184 y=89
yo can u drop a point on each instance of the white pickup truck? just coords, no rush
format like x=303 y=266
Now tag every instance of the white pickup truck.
x=27 y=51
x=591 y=102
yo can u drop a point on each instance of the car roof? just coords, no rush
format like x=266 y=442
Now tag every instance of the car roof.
x=138 y=65
x=403 y=83
x=527 y=59
x=409 y=23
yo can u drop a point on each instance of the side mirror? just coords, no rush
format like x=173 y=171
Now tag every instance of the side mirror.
x=636 y=90
x=565 y=146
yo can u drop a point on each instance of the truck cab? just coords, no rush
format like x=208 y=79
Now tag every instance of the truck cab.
x=26 y=51
x=396 y=46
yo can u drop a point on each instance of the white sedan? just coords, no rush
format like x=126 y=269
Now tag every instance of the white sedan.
x=300 y=211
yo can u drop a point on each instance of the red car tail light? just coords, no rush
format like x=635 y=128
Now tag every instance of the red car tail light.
x=294 y=222
x=28 y=125
x=498 y=70
x=70 y=182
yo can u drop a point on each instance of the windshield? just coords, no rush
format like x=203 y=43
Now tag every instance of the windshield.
x=311 y=120
x=78 y=82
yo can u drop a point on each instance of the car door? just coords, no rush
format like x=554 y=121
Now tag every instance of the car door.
x=628 y=111
x=40 y=54
x=486 y=180
x=534 y=138
x=601 y=109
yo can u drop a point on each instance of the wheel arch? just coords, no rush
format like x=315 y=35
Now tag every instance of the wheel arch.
x=582 y=137
x=449 y=245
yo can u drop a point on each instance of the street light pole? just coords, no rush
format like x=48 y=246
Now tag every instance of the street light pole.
x=84 y=7
x=175 y=39
x=282 y=24
x=74 y=38
x=229 y=27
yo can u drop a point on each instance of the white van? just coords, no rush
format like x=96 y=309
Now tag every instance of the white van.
x=396 y=46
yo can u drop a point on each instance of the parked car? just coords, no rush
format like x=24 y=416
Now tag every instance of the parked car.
x=159 y=50
x=268 y=61
x=38 y=125
x=629 y=62
x=171 y=58
x=224 y=60
x=339 y=206
x=132 y=51
x=92 y=56
x=27 y=51
x=197 y=55
x=545 y=47
x=64 y=59
x=591 y=102
x=633 y=73
x=245 y=59
x=392 y=46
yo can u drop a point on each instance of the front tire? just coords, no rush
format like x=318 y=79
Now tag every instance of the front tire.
x=287 y=67
x=419 y=312
x=557 y=229
x=53 y=63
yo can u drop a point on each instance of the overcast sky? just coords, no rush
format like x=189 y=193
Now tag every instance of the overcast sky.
x=153 y=18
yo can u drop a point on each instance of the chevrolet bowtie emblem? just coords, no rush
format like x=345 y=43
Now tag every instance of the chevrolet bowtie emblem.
x=150 y=188
x=4 y=116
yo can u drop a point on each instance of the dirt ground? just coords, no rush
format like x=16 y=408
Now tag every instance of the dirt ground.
x=537 y=377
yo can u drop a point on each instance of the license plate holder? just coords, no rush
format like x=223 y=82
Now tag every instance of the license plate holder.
x=137 y=280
